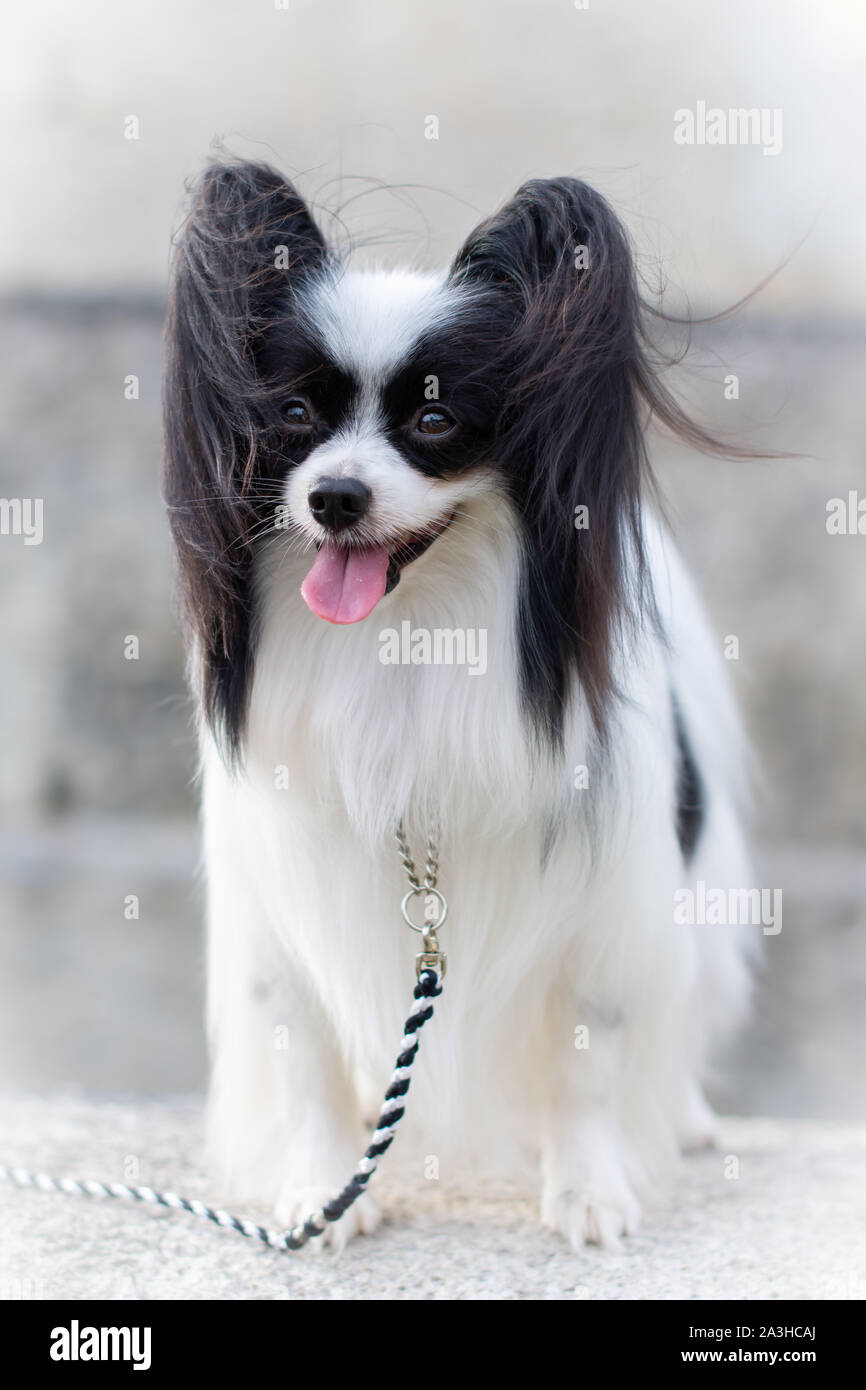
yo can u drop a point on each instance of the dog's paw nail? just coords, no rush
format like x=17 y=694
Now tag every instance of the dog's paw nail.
x=590 y=1218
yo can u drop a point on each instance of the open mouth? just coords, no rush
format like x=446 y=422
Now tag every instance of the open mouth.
x=346 y=582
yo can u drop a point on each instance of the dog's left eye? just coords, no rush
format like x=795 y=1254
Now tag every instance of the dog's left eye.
x=433 y=420
x=297 y=414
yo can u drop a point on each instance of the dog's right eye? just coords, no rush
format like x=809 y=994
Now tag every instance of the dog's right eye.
x=434 y=421
x=298 y=414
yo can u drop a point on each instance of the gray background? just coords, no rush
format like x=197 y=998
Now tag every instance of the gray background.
x=96 y=774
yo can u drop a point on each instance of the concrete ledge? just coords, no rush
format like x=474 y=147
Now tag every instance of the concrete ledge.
x=792 y=1225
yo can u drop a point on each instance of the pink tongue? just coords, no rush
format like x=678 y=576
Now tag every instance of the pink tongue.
x=344 y=585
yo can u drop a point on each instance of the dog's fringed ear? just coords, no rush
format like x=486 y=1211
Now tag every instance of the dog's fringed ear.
x=570 y=438
x=247 y=239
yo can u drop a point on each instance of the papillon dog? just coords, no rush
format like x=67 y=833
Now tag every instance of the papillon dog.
x=369 y=474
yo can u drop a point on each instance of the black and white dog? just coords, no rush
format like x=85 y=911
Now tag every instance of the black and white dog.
x=354 y=455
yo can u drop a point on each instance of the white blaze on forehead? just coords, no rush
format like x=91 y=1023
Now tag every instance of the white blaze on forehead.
x=371 y=319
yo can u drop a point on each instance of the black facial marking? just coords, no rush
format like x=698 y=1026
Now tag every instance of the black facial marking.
x=295 y=365
x=690 y=808
x=457 y=369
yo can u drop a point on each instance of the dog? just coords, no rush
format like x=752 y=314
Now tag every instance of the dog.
x=358 y=453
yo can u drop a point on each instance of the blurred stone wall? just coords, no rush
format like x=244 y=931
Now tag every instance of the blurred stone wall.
x=97 y=770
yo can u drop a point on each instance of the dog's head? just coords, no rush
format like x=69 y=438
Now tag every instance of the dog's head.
x=364 y=411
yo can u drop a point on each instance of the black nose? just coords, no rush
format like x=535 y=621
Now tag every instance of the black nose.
x=339 y=502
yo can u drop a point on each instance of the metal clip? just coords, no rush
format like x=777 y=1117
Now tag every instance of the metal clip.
x=431 y=958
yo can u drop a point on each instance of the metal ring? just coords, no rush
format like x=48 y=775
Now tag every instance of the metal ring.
x=428 y=926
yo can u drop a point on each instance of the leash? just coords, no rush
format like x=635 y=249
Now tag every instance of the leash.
x=430 y=966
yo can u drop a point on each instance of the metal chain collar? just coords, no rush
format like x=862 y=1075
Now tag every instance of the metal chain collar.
x=435 y=906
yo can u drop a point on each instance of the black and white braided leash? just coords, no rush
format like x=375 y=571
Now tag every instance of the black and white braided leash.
x=430 y=968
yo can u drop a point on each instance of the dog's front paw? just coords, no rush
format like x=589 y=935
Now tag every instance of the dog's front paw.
x=586 y=1194
x=588 y=1216
x=295 y=1204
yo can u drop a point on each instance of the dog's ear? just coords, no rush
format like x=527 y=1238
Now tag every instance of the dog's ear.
x=248 y=237
x=247 y=241
x=570 y=435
